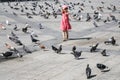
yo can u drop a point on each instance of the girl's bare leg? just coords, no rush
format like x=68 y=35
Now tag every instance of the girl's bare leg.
x=67 y=35
x=64 y=34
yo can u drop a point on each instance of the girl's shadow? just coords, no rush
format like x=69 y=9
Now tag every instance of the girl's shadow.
x=88 y=38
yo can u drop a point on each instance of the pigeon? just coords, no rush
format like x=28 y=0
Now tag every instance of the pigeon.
x=11 y=7
x=56 y=1
x=113 y=18
x=95 y=16
x=18 y=42
x=33 y=34
x=16 y=52
x=29 y=16
x=25 y=29
x=54 y=48
x=34 y=13
x=26 y=49
x=111 y=41
x=74 y=48
x=88 y=71
x=76 y=54
x=14 y=49
x=89 y=1
x=114 y=8
x=92 y=7
x=104 y=52
x=57 y=50
x=40 y=26
x=15 y=40
x=94 y=47
x=108 y=19
x=16 y=4
x=16 y=8
x=99 y=17
x=102 y=2
x=88 y=17
x=22 y=10
x=105 y=21
x=54 y=14
x=6 y=11
x=7 y=54
x=109 y=8
x=11 y=38
x=26 y=8
x=14 y=35
x=95 y=24
x=33 y=39
x=16 y=28
x=119 y=24
x=14 y=14
x=60 y=49
x=102 y=67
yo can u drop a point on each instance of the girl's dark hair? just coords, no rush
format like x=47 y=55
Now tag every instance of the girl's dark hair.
x=63 y=10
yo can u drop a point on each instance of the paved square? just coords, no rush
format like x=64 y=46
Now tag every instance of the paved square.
x=46 y=64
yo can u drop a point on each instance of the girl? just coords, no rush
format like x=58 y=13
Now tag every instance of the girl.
x=65 y=25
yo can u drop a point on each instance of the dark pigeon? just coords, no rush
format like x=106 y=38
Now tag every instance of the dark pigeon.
x=102 y=67
x=88 y=71
x=26 y=49
x=104 y=52
x=76 y=54
x=7 y=54
x=111 y=41
x=57 y=50
x=33 y=39
x=94 y=47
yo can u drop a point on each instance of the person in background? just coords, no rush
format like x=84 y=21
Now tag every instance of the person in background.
x=65 y=24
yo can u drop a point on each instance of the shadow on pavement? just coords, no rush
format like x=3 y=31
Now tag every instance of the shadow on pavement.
x=88 y=38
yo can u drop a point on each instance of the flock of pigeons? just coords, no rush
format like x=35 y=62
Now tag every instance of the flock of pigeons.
x=34 y=9
x=47 y=9
x=44 y=11
x=15 y=39
x=93 y=48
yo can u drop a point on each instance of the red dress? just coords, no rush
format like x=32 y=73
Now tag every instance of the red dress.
x=65 y=25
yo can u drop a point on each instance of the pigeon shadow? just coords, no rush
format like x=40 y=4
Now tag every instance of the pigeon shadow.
x=113 y=45
x=106 y=55
x=88 y=38
x=41 y=28
x=95 y=51
x=2 y=59
x=79 y=58
x=92 y=76
x=116 y=45
x=105 y=70
x=62 y=53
